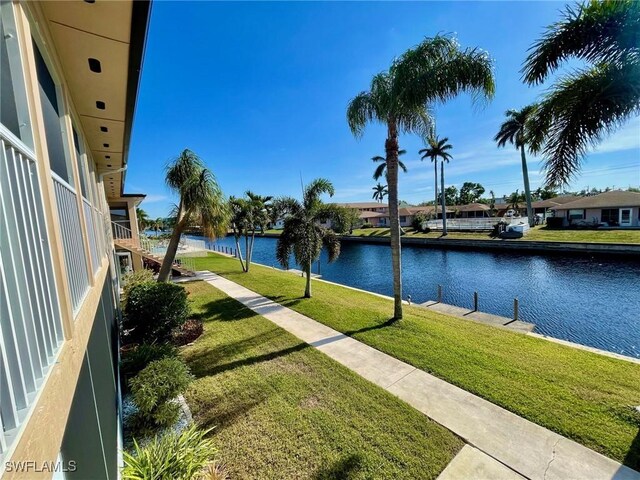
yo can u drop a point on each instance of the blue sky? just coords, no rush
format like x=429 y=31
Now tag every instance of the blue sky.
x=259 y=91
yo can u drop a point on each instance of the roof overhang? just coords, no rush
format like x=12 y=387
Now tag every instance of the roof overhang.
x=114 y=34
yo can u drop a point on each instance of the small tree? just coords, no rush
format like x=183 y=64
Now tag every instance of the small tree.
x=345 y=219
x=248 y=215
x=470 y=192
x=379 y=192
x=303 y=235
x=200 y=201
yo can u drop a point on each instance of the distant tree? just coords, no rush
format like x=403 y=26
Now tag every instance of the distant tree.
x=583 y=107
x=419 y=220
x=492 y=204
x=470 y=192
x=303 y=235
x=248 y=215
x=382 y=168
x=143 y=219
x=345 y=219
x=200 y=201
x=515 y=199
x=451 y=196
x=439 y=148
x=379 y=192
x=158 y=224
x=515 y=131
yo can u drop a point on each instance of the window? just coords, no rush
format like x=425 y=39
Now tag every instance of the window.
x=80 y=158
x=52 y=114
x=610 y=216
x=576 y=214
x=14 y=113
x=403 y=219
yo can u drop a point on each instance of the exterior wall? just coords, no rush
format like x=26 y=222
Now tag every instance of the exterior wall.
x=79 y=252
x=596 y=213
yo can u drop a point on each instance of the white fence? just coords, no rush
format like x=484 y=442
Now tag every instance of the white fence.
x=485 y=223
x=30 y=318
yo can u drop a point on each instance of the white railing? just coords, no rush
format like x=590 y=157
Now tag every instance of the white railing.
x=93 y=241
x=485 y=223
x=75 y=258
x=158 y=247
x=30 y=318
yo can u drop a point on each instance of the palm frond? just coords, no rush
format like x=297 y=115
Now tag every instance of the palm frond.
x=594 y=31
x=315 y=189
x=183 y=169
x=579 y=111
x=331 y=243
x=379 y=171
x=361 y=110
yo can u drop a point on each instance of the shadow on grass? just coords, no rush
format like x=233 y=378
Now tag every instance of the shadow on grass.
x=345 y=468
x=203 y=364
x=632 y=458
x=224 y=309
x=392 y=321
x=225 y=409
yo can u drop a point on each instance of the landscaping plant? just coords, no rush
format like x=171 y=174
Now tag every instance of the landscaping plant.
x=153 y=389
x=154 y=310
x=188 y=332
x=137 y=358
x=174 y=456
x=132 y=279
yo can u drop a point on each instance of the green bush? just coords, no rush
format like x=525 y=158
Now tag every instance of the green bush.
x=366 y=225
x=555 y=222
x=174 y=456
x=153 y=388
x=132 y=279
x=419 y=221
x=134 y=360
x=153 y=310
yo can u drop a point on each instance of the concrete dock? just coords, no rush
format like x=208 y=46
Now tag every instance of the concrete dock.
x=488 y=318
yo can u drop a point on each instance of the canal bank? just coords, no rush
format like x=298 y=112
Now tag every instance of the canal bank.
x=546 y=247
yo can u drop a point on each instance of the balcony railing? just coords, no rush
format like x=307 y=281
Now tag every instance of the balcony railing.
x=75 y=258
x=30 y=319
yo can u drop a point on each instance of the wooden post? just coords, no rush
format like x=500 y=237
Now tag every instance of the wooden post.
x=439 y=293
x=475 y=301
x=515 y=309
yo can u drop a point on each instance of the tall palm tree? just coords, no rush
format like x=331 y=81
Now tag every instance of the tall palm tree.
x=584 y=106
x=423 y=152
x=514 y=130
x=143 y=219
x=439 y=148
x=514 y=200
x=382 y=168
x=303 y=235
x=200 y=200
x=436 y=70
x=379 y=192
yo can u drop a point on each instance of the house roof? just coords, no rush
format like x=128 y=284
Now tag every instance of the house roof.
x=364 y=205
x=614 y=198
x=426 y=209
x=472 y=207
x=555 y=201
x=366 y=214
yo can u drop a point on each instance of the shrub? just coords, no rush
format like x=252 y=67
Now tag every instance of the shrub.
x=153 y=389
x=188 y=332
x=134 y=360
x=132 y=279
x=174 y=456
x=366 y=225
x=153 y=310
x=419 y=221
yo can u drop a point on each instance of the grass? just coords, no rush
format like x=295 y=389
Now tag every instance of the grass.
x=540 y=233
x=584 y=396
x=282 y=409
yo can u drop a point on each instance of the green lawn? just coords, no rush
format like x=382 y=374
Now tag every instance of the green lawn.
x=584 y=396
x=539 y=233
x=281 y=409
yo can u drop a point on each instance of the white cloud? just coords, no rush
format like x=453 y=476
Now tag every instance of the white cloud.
x=627 y=138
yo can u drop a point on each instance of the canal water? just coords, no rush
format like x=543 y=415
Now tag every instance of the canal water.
x=594 y=301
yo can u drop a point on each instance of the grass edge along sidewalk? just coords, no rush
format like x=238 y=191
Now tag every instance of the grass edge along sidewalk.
x=282 y=409
x=583 y=396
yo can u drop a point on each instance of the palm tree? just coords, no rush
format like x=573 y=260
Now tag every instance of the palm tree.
x=143 y=219
x=200 y=200
x=514 y=130
x=303 y=235
x=436 y=70
x=514 y=200
x=584 y=106
x=438 y=148
x=381 y=169
x=157 y=224
x=379 y=192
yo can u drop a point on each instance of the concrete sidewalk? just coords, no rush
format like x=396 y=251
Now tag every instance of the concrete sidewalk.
x=505 y=445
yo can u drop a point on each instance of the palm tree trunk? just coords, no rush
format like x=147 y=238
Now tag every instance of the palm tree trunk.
x=391 y=150
x=444 y=203
x=307 y=288
x=250 y=252
x=435 y=170
x=246 y=250
x=527 y=189
x=237 y=238
x=172 y=248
